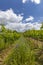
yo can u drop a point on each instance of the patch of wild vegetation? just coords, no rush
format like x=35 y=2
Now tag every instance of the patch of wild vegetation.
x=7 y=38
x=25 y=52
x=21 y=55
x=35 y=34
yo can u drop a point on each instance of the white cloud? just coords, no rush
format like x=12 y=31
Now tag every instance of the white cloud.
x=36 y=1
x=9 y=16
x=31 y=18
x=14 y=22
x=24 y=1
x=20 y=27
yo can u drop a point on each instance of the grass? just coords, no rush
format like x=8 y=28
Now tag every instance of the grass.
x=27 y=48
x=22 y=54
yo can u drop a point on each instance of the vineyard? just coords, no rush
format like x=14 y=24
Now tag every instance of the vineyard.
x=21 y=48
x=35 y=34
x=7 y=38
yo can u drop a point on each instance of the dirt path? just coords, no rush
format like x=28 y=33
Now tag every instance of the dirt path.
x=4 y=54
x=8 y=51
x=36 y=42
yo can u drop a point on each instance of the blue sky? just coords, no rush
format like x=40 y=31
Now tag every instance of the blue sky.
x=29 y=11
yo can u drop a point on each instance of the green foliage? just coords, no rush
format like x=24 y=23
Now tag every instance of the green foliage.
x=26 y=51
x=36 y=34
x=21 y=55
x=7 y=38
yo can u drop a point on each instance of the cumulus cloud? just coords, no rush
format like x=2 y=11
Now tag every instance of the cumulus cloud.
x=13 y=21
x=30 y=18
x=9 y=16
x=36 y=1
x=24 y=1
x=21 y=27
